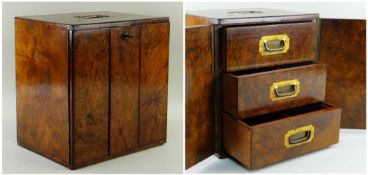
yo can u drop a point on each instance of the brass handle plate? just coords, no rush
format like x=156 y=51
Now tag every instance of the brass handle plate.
x=274 y=44
x=299 y=136
x=284 y=89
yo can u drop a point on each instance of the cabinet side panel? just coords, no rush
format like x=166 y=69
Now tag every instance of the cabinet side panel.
x=90 y=90
x=343 y=49
x=124 y=95
x=153 y=83
x=199 y=100
x=42 y=89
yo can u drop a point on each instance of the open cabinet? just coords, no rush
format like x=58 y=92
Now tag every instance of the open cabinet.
x=249 y=72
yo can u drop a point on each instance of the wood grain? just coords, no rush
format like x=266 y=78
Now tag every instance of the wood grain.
x=343 y=49
x=124 y=86
x=90 y=94
x=153 y=83
x=199 y=98
x=241 y=45
x=191 y=20
x=41 y=52
x=248 y=95
x=267 y=144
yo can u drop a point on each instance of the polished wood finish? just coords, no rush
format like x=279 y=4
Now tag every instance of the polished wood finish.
x=153 y=83
x=191 y=21
x=95 y=20
x=230 y=17
x=261 y=141
x=100 y=92
x=124 y=78
x=199 y=103
x=41 y=52
x=240 y=45
x=343 y=50
x=248 y=94
x=243 y=91
x=90 y=94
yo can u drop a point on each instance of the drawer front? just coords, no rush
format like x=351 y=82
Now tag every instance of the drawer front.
x=266 y=45
x=260 y=93
x=269 y=141
x=259 y=144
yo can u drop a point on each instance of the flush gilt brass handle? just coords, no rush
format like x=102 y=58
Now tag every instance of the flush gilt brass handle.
x=91 y=16
x=284 y=89
x=299 y=136
x=274 y=44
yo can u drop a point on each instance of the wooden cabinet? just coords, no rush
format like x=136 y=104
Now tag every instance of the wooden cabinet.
x=269 y=85
x=91 y=86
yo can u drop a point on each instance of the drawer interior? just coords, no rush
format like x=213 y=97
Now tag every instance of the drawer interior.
x=271 y=68
x=252 y=121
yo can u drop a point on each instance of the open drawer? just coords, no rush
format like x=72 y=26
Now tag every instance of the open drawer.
x=262 y=140
x=261 y=91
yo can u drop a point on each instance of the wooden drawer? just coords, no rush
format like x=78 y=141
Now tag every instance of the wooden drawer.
x=260 y=91
x=263 y=140
x=266 y=45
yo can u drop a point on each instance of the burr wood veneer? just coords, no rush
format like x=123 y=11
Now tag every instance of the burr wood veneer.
x=91 y=86
x=268 y=85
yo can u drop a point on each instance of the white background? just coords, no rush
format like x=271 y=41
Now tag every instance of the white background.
x=349 y=156
x=167 y=158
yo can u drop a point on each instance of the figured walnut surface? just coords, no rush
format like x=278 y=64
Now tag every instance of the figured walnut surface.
x=153 y=83
x=75 y=18
x=191 y=20
x=231 y=17
x=241 y=45
x=90 y=90
x=249 y=95
x=42 y=89
x=343 y=49
x=267 y=144
x=199 y=114
x=98 y=92
x=124 y=89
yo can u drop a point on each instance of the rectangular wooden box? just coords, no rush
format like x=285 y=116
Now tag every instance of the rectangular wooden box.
x=262 y=140
x=91 y=86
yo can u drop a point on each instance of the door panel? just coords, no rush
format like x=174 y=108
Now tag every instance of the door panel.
x=153 y=83
x=124 y=89
x=343 y=49
x=90 y=90
x=199 y=99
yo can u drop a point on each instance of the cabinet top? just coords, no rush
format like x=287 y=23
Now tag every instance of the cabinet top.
x=98 y=17
x=227 y=16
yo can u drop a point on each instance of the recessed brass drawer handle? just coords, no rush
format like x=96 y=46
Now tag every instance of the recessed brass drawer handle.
x=299 y=136
x=274 y=44
x=284 y=89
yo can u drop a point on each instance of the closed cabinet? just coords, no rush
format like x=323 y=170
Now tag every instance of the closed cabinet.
x=113 y=95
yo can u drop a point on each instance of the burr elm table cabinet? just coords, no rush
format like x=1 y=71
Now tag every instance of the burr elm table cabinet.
x=91 y=86
x=261 y=77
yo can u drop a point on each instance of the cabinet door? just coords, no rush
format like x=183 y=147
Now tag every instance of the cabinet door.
x=199 y=98
x=343 y=50
x=153 y=83
x=124 y=89
x=90 y=90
